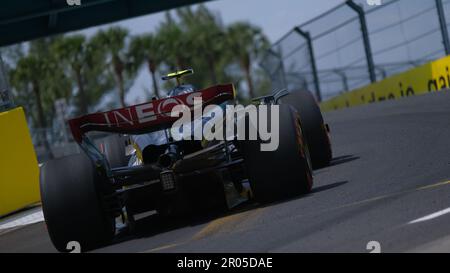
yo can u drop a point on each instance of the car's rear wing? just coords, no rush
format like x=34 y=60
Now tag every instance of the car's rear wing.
x=147 y=117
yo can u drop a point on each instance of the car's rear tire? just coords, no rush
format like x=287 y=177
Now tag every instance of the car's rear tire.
x=316 y=131
x=71 y=203
x=113 y=147
x=284 y=172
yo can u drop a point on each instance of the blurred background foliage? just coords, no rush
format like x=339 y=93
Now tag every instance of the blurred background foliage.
x=83 y=70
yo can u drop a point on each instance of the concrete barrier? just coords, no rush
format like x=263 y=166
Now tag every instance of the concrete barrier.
x=19 y=170
x=430 y=77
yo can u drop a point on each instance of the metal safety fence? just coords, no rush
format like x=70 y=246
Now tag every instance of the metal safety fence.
x=355 y=44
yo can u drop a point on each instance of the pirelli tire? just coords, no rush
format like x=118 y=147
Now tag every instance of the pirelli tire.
x=316 y=131
x=282 y=173
x=72 y=205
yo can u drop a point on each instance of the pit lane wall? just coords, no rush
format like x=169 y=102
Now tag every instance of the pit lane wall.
x=19 y=170
x=430 y=77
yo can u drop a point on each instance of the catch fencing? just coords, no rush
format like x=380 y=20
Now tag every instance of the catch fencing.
x=356 y=44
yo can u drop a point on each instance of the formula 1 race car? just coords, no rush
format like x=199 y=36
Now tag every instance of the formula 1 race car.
x=143 y=167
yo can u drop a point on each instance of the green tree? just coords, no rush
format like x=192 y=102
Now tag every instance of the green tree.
x=72 y=50
x=147 y=49
x=205 y=34
x=38 y=79
x=195 y=39
x=54 y=82
x=85 y=62
x=246 y=42
x=26 y=77
x=174 y=44
x=113 y=41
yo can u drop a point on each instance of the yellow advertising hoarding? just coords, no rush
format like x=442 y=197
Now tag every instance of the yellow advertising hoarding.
x=430 y=77
x=19 y=170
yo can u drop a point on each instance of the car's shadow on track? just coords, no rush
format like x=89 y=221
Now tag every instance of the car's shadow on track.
x=342 y=160
x=336 y=161
x=154 y=224
x=327 y=187
x=313 y=192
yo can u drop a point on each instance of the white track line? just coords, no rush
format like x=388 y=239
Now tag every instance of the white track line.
x=431 y=216
x=22 y=219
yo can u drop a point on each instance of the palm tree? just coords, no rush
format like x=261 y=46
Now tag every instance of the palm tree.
x=38 y=80
x=54 y=82
x=174 y=44
x=72 y=50
x=195 y=39
x=85 y=62
x=27 y=75
x=147 y=48
x=205 y=33
x=112 y=41
x=246 y=42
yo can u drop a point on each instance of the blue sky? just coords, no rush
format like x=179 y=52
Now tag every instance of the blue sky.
x=275 y=17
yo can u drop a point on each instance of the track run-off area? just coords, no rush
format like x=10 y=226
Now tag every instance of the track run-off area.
x=389 y=182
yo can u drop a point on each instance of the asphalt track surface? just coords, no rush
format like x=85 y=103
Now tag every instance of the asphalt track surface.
x=391 y=168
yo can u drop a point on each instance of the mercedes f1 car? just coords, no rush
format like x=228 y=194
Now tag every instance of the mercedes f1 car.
x=142 y=168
